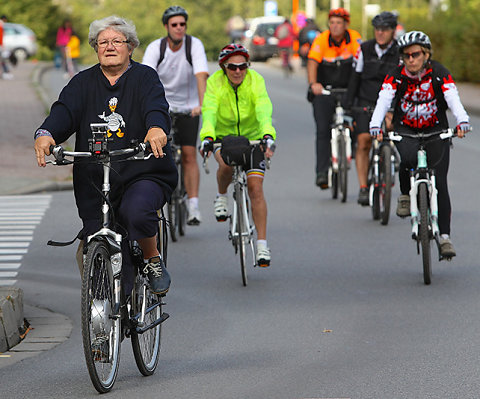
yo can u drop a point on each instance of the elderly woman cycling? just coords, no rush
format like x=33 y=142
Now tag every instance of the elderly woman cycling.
x=130 y=98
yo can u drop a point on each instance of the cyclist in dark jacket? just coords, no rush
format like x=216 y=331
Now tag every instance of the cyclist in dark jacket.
x=130 y=98
x=372 y=62
x=421 y=91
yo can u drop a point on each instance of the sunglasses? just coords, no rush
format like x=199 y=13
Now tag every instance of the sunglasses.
x=175 y=24
x=414 y=55
x=233 y=67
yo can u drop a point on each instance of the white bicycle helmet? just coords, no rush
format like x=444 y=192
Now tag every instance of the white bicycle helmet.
x=414 y=37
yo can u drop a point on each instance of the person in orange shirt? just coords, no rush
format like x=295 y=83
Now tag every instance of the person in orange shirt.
x=329 y=63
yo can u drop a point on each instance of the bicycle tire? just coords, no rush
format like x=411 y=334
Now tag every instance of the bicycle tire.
x=173 y=216
x=376 y=203
x=240 y=228
x=385 y=183
x=424 y=235
x=146 y=345
x=334 y=186
x=182 y=206
x=342 y=167
x=101 y=333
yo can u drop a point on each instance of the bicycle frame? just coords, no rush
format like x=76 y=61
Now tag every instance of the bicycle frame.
x=423 y=174
x=339 y=129
x=240 y=183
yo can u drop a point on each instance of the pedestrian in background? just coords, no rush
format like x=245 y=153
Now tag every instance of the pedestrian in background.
x=72 y=53
x=4 y=71
x=63 y=36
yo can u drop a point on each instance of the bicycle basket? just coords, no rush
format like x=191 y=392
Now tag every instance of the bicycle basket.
x=235 y=150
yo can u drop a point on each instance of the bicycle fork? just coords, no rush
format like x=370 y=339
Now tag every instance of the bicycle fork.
x=334 y=142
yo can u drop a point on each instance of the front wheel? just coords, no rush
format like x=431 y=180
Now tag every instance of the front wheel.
x=100 y=326
x=424 y=234
x=241 y=229
x=342 y=167
x=385 y=182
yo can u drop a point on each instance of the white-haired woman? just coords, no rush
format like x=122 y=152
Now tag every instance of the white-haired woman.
x=129 y=97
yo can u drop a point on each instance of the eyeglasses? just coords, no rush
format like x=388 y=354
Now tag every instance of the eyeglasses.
x=233 y=67
x=174 y=24
x=115 y=43
x=414 y=55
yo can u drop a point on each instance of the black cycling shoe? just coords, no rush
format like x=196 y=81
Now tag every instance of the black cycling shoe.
x=322 y=180
x=158 y=276
x=363 y=197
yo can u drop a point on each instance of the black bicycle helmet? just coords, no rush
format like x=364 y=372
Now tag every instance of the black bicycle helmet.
x=386 y=19
x=414 y=37
x=232 y=49
x=173 y=11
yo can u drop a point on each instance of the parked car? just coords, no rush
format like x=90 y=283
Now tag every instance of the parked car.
x=19 y=41
x=259 y=39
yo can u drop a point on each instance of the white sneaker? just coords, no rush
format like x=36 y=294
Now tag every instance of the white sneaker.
x=263 y=256
x=7 y=76
x=221 y=208
x=194 y=217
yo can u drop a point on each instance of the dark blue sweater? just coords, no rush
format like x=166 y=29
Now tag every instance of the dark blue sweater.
x=140 y=104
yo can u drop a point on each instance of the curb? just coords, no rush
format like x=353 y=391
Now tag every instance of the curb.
x=46 y=330
x=11 y=317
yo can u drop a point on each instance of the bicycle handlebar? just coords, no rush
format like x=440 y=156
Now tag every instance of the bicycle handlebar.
x=219 y=144
x=59 y=153
x=442 y=135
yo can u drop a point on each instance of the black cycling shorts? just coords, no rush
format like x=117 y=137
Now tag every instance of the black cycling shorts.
x=185 y=129
x=362 y=118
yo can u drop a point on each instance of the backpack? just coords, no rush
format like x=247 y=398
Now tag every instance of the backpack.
x=283 y=32
x=188 y=49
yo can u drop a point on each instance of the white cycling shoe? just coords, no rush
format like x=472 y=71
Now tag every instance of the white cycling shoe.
x=263 y=256
x=221 y=208
x=194 y=218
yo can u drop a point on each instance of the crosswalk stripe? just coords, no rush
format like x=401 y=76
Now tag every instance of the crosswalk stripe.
x=8 y=266
x=19 y=216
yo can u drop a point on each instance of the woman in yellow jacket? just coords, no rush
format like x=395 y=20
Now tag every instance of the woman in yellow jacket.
x=236 y=103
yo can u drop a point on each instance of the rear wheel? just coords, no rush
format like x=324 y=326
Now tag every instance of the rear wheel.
x=424 y=234
x=385 y=182
x=342 y=167
x=100 y=326
x=146 y=345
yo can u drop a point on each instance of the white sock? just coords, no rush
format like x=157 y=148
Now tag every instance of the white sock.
x=445 y=236
x=222 y=195
x=262 y=243
x=193 y=201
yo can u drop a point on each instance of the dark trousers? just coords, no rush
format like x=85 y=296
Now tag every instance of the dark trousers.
x=438 y=158
x=323 y=111
x=137 y=218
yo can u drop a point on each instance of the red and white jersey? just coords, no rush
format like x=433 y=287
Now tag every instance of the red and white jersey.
x=420 y=104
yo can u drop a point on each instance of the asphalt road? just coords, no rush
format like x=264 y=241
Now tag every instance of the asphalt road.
x=341 y=313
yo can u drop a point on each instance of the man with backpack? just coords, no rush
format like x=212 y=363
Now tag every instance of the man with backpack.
x=181 y=64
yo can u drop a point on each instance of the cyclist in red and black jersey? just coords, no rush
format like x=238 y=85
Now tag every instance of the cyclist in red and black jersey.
x=421 y=91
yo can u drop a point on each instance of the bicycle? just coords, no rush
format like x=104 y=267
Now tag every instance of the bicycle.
x=381 y=173
x=177 y=206
x=241 y=228
x=108 y=313
x=341 y=145
x=423 y=199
